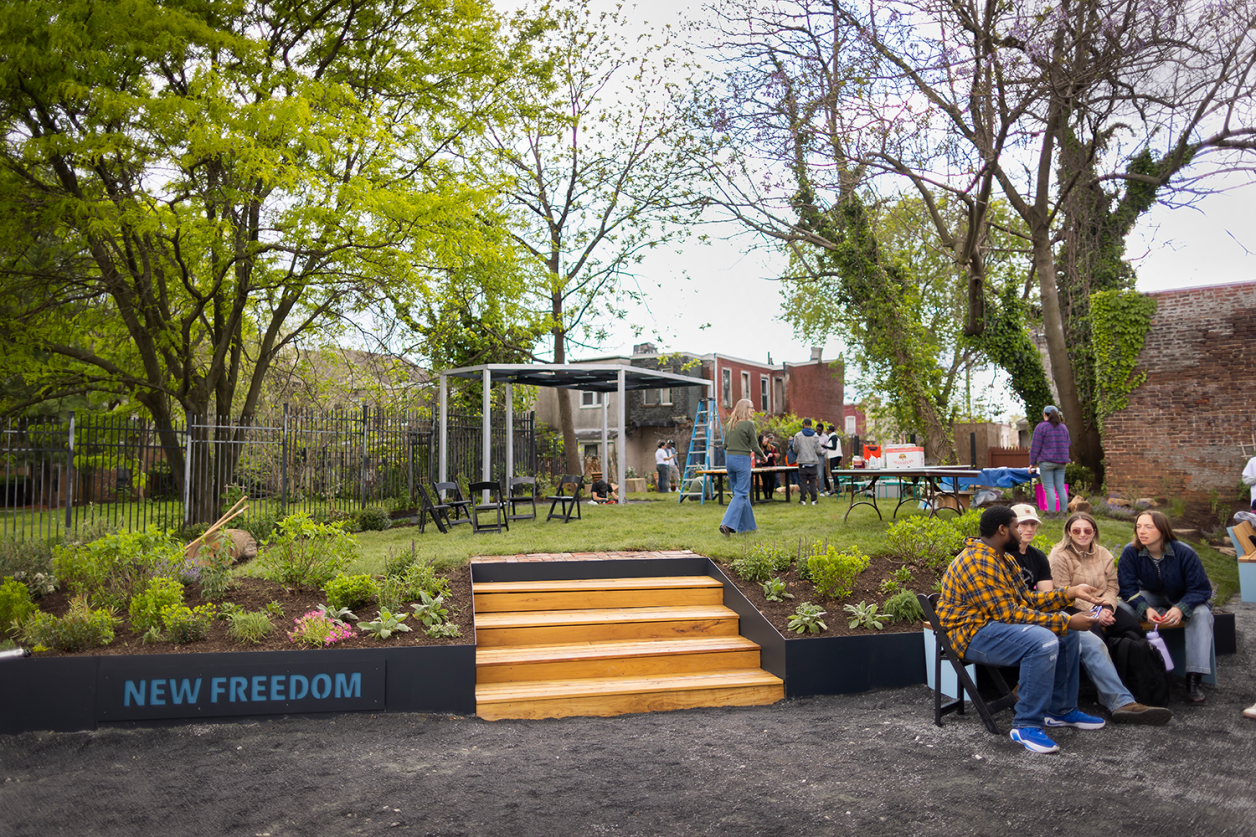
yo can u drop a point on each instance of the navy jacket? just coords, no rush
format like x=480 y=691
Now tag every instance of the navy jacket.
x=1181 y=579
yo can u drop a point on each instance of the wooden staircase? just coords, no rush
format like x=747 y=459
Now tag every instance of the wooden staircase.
x=552 y=649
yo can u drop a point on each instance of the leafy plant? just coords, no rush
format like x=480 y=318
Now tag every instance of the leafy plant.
x=445 y=629
x=807 y=618
x=274 y=608
x=249 y=626
x=774 y=590
x=215 y=562
x=228 y=609
x=26 y=558
x=146 y=606
x=904 y=607
x=761 y=562
x=307 y=555
x=114 y=568
x=317 y=630
x=185 y=624
x=15 y=606
x=385 y=625
x=350 y=591
x=81 y=628
x=1177 y=507
x=834 y=573
x=339 y=614
x=864 y=615
x=922 y=540
x=898 y=580
x=373 y=519
x=430 y=611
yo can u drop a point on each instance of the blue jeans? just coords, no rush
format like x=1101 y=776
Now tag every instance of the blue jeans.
x=1198 y=631
x=1098 y=665
x=740 y=514
x=1048 y=667
x=1052 y=476
x=665 y=476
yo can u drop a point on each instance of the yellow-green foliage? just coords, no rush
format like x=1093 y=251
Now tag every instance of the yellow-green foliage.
x=834 y=572
x=15 y=606
x=81 y=628
x=146 y=607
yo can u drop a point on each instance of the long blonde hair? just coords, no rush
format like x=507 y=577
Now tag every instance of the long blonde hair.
x=742 y=412
x=1067 y=540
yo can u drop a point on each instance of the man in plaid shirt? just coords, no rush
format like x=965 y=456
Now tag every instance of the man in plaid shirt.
x=993 y=618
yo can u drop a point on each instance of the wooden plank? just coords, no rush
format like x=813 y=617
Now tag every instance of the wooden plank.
x=560 y=634
x=594 y=599
x=652 y=666
x=599 y=616
x=553 y=689
x=606 y=706
x=668 y=582
x=600 y=650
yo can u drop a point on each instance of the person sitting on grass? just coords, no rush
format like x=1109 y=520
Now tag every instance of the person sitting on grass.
x=604 y=493
x=994 y=619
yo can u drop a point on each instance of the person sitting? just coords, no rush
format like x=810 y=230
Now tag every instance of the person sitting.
x=1035 y=569
x=1161 y=579
x=1079 y=559
x=994 y=619
x=604 y=493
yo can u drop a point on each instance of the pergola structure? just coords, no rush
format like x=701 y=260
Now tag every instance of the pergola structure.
x=604 y=378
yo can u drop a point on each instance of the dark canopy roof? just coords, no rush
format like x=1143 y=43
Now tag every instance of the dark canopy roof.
x=585 y=377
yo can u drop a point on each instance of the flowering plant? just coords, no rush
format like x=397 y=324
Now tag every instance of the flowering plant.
x=317 y=630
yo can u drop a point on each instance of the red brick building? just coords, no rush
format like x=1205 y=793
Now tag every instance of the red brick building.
x=1180 y=433
x=812 y=389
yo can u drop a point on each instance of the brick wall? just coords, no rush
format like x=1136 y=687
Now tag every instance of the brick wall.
x=1180 y=434
x=815 y=390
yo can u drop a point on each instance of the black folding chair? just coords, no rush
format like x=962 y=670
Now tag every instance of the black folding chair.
x=495 y=504
x=438 y=512
x=944 y=648
x=450 y=494
x=569 y=503
x=521 y=491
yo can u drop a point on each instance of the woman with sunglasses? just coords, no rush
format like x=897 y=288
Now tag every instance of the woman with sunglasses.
x=1079 y=559
x=1162 y=580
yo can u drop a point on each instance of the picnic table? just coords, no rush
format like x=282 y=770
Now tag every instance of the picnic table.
x=943 y=480
x=720 y=473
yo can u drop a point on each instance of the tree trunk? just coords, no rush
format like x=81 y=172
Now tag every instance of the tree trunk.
x=566 y=420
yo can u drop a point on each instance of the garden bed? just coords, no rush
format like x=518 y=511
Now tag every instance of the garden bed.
x=255 y=594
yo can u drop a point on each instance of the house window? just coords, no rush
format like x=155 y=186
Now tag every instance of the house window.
x=778 y=393
x=590 y=399
x=726 y=386
x=763 y=394
x=850 y=425
x=745 y=384
x=665 y=395
x=655 y=397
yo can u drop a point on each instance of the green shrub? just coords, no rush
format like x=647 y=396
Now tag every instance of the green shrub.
x=762 y=562
x=81 y=628
x=307 y=555
x=114 y=568
x=249 y=627
x=213 y=568
x=15 y=606
x=185 y=624
x=834 y=573
x=923 y=540
x=23 y=558
x=146 y=606
x=261 y=525
x=966 y=525
x=904 y=607
x=373 y=519
x=351 y=591
x=1079 y=478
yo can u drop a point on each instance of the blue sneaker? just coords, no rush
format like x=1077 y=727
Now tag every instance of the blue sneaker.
x=1076 y=719
x=1035 y=740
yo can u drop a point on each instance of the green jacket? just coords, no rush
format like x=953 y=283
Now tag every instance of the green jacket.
x=743 y=440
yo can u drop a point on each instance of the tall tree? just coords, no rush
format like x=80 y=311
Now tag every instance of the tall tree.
x=187 y=189
x=594 y=166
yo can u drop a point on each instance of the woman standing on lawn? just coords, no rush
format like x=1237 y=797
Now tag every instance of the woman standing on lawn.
x=1163 y=580
x=739 y=446
x=1049 y=451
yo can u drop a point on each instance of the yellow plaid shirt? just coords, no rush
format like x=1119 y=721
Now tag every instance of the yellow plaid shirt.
x=982 y=586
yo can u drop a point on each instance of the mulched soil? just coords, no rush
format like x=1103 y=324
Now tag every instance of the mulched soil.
x=837 y=619
x=254 y=594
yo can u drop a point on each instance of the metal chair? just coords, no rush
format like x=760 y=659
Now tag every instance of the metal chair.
x=495 y=504
x=569 y=502
x=944 y=647
x=450 y=494
x=438 y=512
x=521 y=491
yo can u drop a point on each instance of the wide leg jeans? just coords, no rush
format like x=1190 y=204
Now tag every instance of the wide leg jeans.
x=1048 y=667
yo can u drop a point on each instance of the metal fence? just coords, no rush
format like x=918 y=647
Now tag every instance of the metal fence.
x=62 y=474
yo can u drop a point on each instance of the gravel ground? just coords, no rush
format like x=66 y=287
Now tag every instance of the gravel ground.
x=869 y=764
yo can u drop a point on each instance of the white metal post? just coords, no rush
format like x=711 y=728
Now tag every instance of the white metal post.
x=444 y=428
x=510 y=435
x=604 y=453
x=621 y=472
x=486 y=444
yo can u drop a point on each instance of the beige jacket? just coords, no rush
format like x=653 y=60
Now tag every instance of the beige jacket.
x=1096 y=568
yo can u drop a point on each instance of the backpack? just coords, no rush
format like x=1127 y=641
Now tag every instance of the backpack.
x=1141 y=669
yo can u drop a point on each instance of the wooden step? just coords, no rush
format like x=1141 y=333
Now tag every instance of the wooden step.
x=585 y=594
x=614 y=659
x=619 y=695
x=555 y=627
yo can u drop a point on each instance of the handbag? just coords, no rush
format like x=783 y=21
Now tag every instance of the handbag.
x=1157 y=642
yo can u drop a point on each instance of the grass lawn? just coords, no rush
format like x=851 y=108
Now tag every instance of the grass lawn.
x=661 y=523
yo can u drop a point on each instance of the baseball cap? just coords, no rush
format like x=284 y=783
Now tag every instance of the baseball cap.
x=1050 y=408
x=1024 y=512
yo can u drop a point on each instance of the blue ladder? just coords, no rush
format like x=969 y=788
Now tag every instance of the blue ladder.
x=706 y=436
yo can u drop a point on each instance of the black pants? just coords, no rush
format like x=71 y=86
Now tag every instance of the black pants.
x=767 y=484
x=808 y=475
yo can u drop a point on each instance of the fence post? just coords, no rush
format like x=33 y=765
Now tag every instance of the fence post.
x=410 y=457
x=283 y=467
x=69 y=490
x=187 y=473
x=362 y=475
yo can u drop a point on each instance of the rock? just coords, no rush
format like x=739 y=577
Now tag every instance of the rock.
x=1117 y=501
x=243 y=546
x=1079 y=503
x=1146 y=502
x=1187 y=534
x=1227 y=550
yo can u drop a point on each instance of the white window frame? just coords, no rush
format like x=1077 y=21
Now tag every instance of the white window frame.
x=851 y=424
x=745 y=385
x=665 y=396
x=726 y=386
x=594 y=399
x=765 y=402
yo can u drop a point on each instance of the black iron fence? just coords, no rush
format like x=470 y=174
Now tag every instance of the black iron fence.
x=61 y=474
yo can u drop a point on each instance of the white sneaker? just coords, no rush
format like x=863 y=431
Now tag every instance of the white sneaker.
x=1250 y=712
x=813 y=502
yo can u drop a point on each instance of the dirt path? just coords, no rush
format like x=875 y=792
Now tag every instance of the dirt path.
x=870 y=764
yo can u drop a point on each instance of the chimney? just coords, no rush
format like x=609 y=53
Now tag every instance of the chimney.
x=645 y=349
x=816 y=352
x=769 y=358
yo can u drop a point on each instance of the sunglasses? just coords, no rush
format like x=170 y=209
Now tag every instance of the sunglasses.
x=1086 y=531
